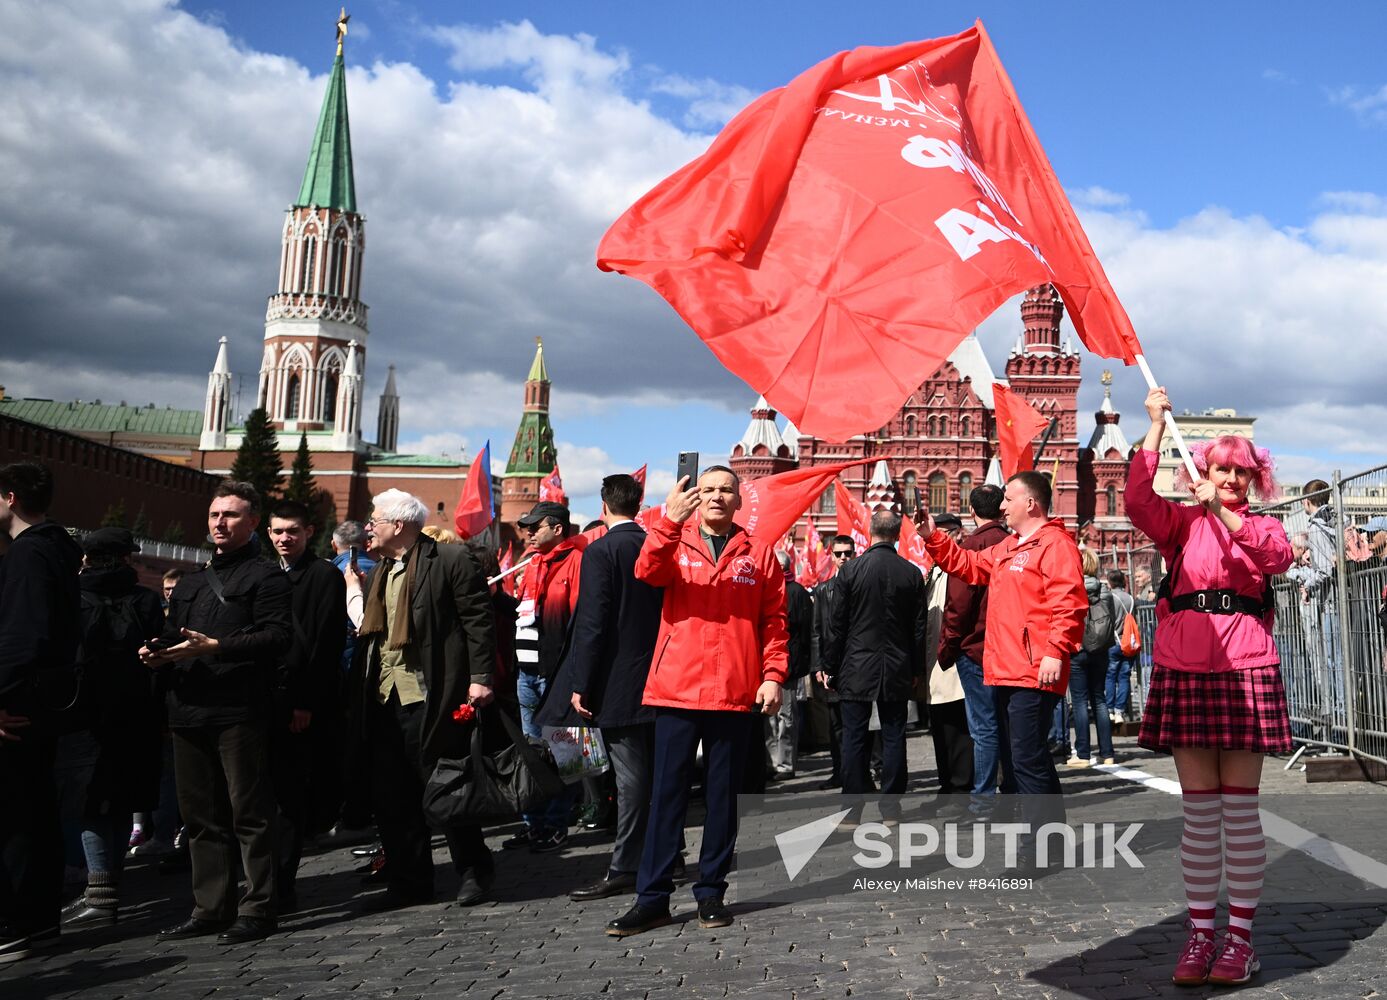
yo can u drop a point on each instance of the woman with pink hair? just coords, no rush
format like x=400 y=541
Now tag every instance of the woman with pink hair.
x=1216 y=702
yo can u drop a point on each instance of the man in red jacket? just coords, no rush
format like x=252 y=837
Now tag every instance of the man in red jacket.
x=720 y=654
x=1035 y=619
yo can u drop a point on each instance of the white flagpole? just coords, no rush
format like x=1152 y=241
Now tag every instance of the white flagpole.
x=514 y=569
x=1170 y=421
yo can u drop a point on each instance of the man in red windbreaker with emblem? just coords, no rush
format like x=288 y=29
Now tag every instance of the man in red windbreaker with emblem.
x=720 y=654
x=1036 y=607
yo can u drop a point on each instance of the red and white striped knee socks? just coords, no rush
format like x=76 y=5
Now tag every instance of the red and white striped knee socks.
x=1201 y=858
x=1245 y=857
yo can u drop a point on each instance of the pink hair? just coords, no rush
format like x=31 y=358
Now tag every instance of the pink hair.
x=1230 y=450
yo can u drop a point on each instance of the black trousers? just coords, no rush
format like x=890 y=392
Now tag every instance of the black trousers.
x=398 y=774
x=227 y=799
x=31 y=842
x=953 y=747
x=857 y=742
x=291 y=768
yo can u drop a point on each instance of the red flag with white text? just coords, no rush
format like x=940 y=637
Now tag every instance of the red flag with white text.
x=854 y=519
x=845 y=232
x=551 y=487
x=1017 y=425
x=912 y=546
x=772 y=504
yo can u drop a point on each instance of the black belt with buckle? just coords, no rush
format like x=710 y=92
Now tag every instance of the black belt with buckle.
x=1218 y=602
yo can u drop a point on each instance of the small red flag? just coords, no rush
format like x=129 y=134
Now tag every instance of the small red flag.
x=476 y=507
x=845 y=232
x=912 y=546
x=1017 y=425
x=551 y=487
x=772 y=504
x=853 y=517
x=639 y=476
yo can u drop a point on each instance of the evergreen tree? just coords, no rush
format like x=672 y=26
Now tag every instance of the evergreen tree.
x=257 y=460
x=174 y=533
x=301 y=486
x=141 y=528
x=115 y=516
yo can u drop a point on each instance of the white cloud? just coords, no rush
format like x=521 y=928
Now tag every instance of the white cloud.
x=1370 y=106
x=1098 y=197
x=446 y=445
x=710 y=103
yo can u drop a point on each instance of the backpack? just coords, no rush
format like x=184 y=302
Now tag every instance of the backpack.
x=1098 y=625
x=1126 y=633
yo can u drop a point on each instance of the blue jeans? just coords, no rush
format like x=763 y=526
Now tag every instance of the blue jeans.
x=1086 y=673
x=105 y=839
x=1118 y=688
x=978 y=702
x=529 y=690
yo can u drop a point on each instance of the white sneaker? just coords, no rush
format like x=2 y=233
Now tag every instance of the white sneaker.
x=155 y=847
x=1118 y=717
x=1079 y=762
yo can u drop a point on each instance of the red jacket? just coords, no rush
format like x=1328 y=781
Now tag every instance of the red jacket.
x=722 y=630
x=1036 y=602
x=549 y=592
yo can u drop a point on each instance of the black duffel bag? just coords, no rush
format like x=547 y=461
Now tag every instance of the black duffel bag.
x=489 y=788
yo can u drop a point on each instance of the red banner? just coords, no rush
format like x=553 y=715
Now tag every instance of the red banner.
x=772 y=504
x=845 y=232
x=854 y=519
x=912 y=546
x=1017 y=425
x=476 y=507
x=551 y=487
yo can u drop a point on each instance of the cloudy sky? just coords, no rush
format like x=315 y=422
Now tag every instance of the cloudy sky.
x=1227 y=162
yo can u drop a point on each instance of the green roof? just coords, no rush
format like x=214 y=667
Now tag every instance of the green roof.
x=428 y=460
x=78 y=416
x=328 y=181
x=533 y=452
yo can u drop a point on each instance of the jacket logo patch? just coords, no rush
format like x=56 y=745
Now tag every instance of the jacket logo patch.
x=685 y=561
x=744 y=570
x=1018 y=562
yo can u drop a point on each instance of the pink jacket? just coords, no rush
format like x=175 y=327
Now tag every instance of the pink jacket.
x=1213 y=558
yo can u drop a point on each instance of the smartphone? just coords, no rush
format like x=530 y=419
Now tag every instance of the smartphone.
x=351 y=558
x=688 y=466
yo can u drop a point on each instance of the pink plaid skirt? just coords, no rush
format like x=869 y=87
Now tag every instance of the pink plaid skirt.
x=1232 y=710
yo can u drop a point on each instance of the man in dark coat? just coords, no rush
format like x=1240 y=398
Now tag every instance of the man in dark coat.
x=118 y=721
x=960 y=646
x=843 y=549
x=603 y=673
x=875 y=652
x=228 y=627
x=426 y=646
x=39 y=603
x=782 y=736
x=306 y=725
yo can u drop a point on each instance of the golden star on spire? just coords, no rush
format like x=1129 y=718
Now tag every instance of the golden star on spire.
x=342 y=20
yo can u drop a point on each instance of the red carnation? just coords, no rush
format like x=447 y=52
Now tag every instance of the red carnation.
x=464 y=713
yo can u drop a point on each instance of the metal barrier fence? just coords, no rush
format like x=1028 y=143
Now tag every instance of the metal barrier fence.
x=162 y=550
x=1329 y=628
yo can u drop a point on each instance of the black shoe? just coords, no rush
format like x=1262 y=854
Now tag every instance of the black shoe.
x=175 y=863
x=637 y=920
x=550 y=842
x=830 y=784
x=15 y=946
x=395 y=899
x=524 y=838
x=712 y=912
x=367 y=850
x=193 y=927
x=91 y=916
x=475 y=888
x=247 y=929
x=604 y=818
x=612 y=884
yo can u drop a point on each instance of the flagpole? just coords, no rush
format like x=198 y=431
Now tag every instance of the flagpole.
x=514 y=569
x=1170 y=421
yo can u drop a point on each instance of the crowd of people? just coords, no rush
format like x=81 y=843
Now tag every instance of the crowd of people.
x=290 y=692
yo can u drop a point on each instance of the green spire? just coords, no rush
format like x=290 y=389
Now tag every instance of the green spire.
x=538 y=373
x=328 y=181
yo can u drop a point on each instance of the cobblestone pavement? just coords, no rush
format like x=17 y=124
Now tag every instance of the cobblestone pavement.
x=531 y=941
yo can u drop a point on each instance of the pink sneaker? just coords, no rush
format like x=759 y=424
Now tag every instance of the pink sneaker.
x=1196 y=959
x=1236 y=964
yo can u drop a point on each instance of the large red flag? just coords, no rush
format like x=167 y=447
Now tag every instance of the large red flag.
x=476 y=507
x=845 y=232
x=772 y=504
x=1017 y=425
x=551 y=487
x=854 y=519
